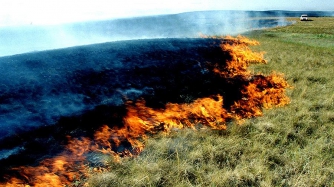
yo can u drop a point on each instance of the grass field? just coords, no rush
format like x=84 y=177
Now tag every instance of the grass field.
x=288 y=146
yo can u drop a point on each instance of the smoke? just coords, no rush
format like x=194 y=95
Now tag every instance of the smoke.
x=5 y=153
x=17 y=40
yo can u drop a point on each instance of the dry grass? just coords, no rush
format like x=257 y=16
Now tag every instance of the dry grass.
x=289 y=146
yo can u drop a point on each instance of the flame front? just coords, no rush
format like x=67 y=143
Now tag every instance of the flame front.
x=258 y=91
x=261 y=92
x=241 y=57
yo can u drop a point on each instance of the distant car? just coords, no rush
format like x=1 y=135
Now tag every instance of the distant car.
x=303 y=17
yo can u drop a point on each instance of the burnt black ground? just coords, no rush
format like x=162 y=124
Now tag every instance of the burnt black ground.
x=47 y=96
x=37 y=88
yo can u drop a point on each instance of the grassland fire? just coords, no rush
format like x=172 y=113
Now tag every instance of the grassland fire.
x=257 y=91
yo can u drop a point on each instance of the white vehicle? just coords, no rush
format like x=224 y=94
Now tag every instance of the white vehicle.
x=303 y=17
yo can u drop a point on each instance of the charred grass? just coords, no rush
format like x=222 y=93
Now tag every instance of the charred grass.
x=288 y=146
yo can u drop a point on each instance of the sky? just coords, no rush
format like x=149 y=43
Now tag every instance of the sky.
x=49 y=12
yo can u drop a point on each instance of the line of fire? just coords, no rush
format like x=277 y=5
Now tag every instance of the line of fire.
x=221 y=91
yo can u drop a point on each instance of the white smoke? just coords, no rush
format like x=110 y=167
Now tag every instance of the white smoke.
x=16 y=40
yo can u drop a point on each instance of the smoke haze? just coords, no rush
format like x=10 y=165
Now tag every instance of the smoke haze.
x=17 y=40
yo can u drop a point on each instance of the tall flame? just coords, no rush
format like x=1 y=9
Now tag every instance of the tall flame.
x=241 y=57
x=140 y=120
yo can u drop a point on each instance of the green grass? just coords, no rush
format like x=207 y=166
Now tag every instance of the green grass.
x=288 y=146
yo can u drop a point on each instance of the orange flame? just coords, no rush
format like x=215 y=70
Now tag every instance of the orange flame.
x=140 y=120
x=261 y=92
x=241 y=57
